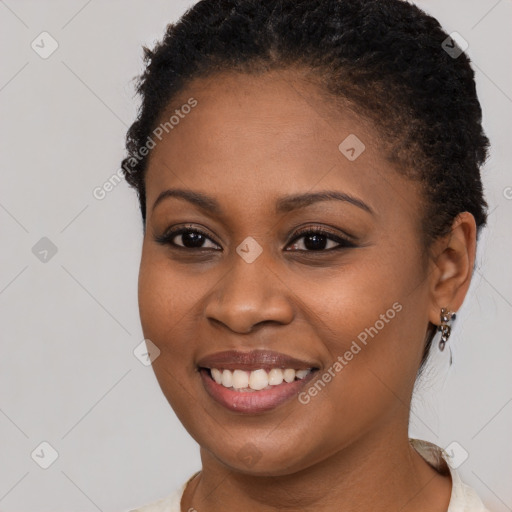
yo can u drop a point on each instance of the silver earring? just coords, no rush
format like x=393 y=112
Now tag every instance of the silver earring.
x=445 y=327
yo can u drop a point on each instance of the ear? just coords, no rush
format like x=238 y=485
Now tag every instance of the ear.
x=452 y=266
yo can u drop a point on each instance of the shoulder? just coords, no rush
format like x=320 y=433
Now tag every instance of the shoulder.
x=170 y=503
x=463 y=498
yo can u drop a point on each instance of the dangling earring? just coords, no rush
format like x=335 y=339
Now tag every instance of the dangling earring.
x=445 y=327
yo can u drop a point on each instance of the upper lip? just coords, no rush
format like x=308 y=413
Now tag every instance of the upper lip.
x=253 y=360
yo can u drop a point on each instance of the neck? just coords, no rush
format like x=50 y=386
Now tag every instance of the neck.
x=377 y=471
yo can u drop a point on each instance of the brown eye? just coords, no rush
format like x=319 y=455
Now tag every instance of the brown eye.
x=187 y=238
x=319 y=240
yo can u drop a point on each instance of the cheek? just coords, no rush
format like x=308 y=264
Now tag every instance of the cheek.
x=166 y=304
x=371 y=321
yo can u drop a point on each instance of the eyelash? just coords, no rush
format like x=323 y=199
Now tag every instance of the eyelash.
x=344 y=242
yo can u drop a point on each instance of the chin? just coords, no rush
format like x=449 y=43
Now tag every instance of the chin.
x=260 y=458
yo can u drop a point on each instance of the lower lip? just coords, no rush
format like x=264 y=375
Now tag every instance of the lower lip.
x=251 y=402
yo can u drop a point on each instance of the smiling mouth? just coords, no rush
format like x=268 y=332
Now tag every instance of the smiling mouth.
x=254 y=391
x=256 y=380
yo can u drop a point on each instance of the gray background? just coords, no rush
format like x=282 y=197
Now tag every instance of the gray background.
x=69 y=325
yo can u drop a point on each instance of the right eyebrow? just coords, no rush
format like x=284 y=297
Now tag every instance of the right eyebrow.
x=203 y=201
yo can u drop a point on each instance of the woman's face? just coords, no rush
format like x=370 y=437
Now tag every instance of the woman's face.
x=352 y=304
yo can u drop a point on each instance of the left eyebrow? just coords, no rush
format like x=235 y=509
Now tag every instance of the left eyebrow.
x=289 y=203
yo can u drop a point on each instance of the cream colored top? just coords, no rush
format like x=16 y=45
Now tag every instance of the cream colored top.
x=462 y=499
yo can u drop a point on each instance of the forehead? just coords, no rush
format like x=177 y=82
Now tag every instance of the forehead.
x=259 y=136
x=277 y=111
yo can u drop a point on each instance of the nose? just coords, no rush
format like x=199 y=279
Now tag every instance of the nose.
x=249 y=295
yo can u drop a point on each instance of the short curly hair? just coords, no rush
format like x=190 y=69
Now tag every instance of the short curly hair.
x=386 y=58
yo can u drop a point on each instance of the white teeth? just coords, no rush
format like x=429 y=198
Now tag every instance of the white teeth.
x=240 y=379
x=227 y=378
x=289 y=375
x=257 y=379
x=300 y=374
x=217 y=375
x=275 y=376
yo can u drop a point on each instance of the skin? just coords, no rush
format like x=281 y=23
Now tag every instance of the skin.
x=250 y=141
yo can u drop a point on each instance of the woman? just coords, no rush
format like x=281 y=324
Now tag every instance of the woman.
x=309 y=181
